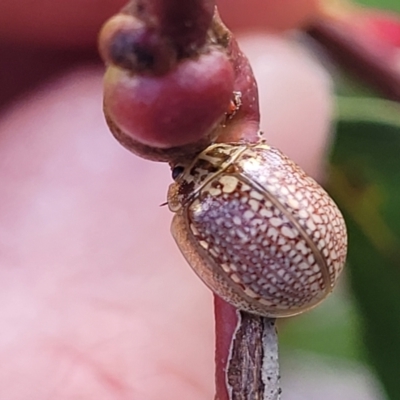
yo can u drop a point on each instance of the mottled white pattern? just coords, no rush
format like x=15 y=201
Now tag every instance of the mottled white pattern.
x=262 y=226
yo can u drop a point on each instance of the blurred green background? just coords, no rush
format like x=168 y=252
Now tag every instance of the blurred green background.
x=360 y=325
x=382 y=4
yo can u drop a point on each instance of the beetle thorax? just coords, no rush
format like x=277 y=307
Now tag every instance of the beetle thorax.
x=210 y=162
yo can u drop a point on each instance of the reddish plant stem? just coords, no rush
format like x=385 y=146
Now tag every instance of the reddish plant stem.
x=231 y=338
x=245 y=124
x=247 y=365
x=157 y=34
x=226 y=321
x=246 y=84
x=184 y=22
x=359 y=57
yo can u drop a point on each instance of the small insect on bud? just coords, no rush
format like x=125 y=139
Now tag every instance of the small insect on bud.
x=256 y=229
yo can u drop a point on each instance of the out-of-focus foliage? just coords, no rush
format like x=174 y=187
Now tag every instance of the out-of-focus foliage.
x=365 y=182
x=364 y=179
x=361 y=322
x=382 y=4
x=332 y=329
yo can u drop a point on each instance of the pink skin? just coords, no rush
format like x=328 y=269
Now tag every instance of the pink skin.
x=97 y=303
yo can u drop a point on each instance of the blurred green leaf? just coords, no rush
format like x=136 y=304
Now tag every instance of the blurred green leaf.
x=347 y=85
x=365 y=182
x=331 y=329
x=382 y=4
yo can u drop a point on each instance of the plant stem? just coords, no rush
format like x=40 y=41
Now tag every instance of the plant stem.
x=184 y=22
x=246 y=355
x=362 y=60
